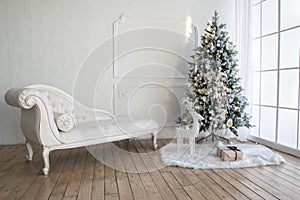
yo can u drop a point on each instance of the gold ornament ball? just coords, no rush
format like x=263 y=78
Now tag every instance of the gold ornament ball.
x=204 y=91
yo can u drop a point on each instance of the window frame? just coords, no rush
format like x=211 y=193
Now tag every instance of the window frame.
x=278 y=69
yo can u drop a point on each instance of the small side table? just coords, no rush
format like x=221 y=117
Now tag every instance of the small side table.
x=182 y=133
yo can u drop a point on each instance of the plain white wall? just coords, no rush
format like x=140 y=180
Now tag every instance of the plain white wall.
x=46 y=42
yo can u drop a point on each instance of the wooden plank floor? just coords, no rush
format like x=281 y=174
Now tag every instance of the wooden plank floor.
x=130 y=173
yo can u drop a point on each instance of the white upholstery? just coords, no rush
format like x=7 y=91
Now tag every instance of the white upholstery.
x=108 y=129
x=38 y=104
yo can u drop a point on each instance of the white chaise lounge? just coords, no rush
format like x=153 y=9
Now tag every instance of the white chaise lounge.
x=40 y=103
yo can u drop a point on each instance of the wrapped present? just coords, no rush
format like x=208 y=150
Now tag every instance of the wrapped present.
x=229 y=153
x=219 y=149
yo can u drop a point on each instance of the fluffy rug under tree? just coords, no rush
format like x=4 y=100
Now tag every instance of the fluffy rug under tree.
x=205 y=156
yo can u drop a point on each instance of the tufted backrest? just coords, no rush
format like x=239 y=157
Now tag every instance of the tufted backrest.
x=61 y=102
x=58 y=100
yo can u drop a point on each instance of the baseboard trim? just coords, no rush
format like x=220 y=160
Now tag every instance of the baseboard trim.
x=276 y=146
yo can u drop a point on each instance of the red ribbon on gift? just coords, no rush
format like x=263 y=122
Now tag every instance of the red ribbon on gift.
x=235 y=149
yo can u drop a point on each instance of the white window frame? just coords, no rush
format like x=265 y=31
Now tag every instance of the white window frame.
x=244 y=16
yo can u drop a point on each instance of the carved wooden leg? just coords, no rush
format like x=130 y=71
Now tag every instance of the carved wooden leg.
x=154 y=139
x=46 y=160
x=29 y=152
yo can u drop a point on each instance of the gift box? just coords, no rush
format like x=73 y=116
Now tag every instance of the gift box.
x=219 y=149
x=229 y=153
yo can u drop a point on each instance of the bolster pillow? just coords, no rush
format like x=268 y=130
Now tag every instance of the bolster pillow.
x=64 y=121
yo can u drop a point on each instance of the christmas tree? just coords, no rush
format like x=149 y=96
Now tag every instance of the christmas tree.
x=214 y=86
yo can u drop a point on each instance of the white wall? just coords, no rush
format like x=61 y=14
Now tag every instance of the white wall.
x=50 y=42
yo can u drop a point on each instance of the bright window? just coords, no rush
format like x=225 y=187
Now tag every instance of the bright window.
x=275 y=81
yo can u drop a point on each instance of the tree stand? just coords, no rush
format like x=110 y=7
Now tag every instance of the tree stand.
x=213 y=137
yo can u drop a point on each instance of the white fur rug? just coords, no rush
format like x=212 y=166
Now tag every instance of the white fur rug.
x=205 y=156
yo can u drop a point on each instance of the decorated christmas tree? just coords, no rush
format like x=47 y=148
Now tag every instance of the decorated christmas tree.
x=214 y=86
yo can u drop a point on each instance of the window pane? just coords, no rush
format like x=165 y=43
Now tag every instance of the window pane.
x=256 y=54
x=256 y=21
x=269 y=88
x=256 y=88
x=288 y=88
x=269 y=52
x=255 y=1
x=255 y=120
x=290 y=48
x=268 y=58
x=299 y=134
x=268 y=123
x=287 y=127
x=269 y=16
x=290 y=13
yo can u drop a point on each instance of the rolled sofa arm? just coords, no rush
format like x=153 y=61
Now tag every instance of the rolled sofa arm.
x=22 y=97
x=26 y=99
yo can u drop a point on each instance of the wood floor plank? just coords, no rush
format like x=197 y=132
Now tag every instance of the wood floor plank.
x=98 y=188
x=88 y=172
x=110 y=182
x=124 y=188
x=40 y=179
x=85 y=190
x=19 y=183
x=175 y=186
x=10 y=152
x=181 y=178
x=136 y=185
x=146 y=154
x=134 y=170
x=217 y=189
x=254 y=187
x=277 y=181
x=289 y=158
x=162 y=186
x=200 y=185
x=276 y=170
x=225 y=185
x=74 y=183
x=187 y=184
x=290 y=169
x=11 y=169
x=98 y=181
x=150 y=187
x=262 y=183
x=70 y=198
x=137 y=161
x=243 y=189
x=53 y=176
x=147 y=181
x=156 y=154
x=10 y=173
x=32 y=172
x=2 y=147
x=63 y=180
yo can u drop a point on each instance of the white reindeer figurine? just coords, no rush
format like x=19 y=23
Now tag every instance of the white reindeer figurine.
x=192 y=132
